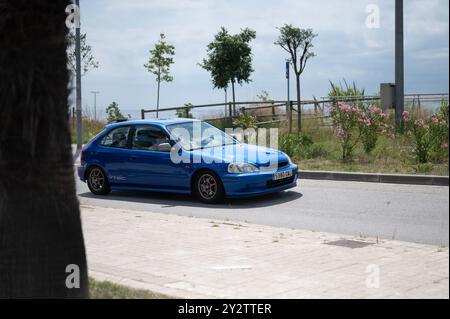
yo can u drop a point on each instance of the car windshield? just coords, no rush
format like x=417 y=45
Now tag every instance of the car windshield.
x=197 y=135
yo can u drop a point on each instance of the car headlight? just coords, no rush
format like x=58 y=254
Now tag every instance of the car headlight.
x=239 y=168
x=289 y=159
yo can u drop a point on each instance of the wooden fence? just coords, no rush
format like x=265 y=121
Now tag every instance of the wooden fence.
x=289 y=108
x=275 y=115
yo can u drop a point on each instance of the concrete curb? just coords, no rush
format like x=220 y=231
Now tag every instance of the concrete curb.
x=377 y=178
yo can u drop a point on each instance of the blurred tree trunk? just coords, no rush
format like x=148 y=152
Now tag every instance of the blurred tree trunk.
x=40 y=226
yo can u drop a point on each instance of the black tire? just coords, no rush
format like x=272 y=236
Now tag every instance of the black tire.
x=97 y=181
x=208 y=187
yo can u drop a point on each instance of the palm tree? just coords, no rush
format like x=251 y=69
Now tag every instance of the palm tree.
x=40 y=226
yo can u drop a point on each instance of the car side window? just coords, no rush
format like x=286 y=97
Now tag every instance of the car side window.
x=148 y=138
x=118 y=137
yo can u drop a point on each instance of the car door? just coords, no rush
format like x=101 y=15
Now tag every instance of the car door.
x=112 y=154
x=150 y=167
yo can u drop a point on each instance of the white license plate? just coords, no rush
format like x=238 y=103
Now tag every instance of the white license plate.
x=282 y=175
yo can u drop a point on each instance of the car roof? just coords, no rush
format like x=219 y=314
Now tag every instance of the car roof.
x=159 y=122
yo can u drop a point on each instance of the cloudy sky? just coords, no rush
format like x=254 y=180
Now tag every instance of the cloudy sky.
x=122 y=32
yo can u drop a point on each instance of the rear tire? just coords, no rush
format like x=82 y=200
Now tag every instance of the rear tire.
x=97 y=181
x=208 y=187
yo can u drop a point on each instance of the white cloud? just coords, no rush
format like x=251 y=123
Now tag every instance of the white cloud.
x=122 y=32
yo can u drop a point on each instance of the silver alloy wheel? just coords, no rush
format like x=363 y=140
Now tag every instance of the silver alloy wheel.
x=96 y=179
x=207 y=186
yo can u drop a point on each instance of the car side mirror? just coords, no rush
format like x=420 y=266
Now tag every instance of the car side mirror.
x=164 y=147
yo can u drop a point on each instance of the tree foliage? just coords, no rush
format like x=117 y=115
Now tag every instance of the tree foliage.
x=185 y=112
x=88 y=61
x=161 y=58
x=229 y=58
x=298 y=43
x=114 y=113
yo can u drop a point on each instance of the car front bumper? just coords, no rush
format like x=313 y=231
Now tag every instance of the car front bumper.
x=243 y=185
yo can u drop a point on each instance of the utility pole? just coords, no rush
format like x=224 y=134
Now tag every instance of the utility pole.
x=288 y=101
x=78 y=83
x=287 y=78
x=399 y=65
x=95 y=103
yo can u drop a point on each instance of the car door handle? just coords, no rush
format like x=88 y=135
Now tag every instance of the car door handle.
x=133 y=157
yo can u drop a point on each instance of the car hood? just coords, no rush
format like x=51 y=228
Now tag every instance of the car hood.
x=242 y=153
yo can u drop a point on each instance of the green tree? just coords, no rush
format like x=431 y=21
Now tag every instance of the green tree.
x=298 y=43
x=161 y=57
x=40 y=226
x=114 y=113
x=88 y=61
x=185 y=112
x=229 y=59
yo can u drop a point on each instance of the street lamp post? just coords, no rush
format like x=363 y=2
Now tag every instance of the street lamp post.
x=288 y=103
x=95 y=103
x=287 y=78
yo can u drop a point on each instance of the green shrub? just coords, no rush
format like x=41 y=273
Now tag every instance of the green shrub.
x=345 y=122
x=439 y=131
x=296 y=145
x=372 y=121
x=429 y=135
x=245 y=121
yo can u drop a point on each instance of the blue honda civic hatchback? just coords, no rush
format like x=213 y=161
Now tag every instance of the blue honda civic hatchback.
x=182 y=156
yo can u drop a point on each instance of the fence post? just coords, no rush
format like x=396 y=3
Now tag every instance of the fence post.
x=142 y=114
x=273 y=112
x=230 y=110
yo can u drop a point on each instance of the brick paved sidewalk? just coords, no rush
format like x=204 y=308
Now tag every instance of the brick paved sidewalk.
x=201 y=258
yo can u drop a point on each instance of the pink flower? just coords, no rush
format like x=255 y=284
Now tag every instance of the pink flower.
x=435 y=120
x=420 y=123
x=445 y=146
x=331 y=109
x=345 y=108
x=375 y=109
x=339 y=132
x=405 y=116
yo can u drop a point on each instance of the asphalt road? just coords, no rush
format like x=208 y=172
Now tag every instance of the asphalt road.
x=388 y=211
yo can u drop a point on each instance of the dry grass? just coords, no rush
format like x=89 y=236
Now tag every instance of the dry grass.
x=90 y=129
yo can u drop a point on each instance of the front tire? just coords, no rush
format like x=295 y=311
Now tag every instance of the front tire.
x=97 y=181
x=208 y=188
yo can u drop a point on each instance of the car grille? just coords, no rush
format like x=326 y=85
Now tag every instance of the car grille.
x=282 y=164
x=281 y=182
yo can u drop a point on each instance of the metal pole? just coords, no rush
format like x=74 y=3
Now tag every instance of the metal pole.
x=288 y=85
x=95 y=103
x=399 y=65
x=78 y=84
